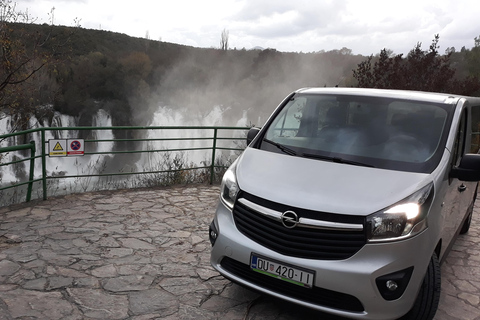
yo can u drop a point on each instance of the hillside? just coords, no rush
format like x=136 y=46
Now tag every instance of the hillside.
x=133 y=77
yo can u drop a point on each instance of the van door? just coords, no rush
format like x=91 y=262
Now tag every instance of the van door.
x=459 y=194
x=471 y=146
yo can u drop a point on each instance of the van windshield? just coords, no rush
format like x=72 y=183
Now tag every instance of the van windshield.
x=377 y=132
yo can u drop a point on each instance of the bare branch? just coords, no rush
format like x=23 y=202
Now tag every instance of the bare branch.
x=224 y=40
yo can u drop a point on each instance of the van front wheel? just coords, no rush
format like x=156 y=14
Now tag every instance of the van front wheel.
x=466 y=224
x=426 y=304
x=468 y=221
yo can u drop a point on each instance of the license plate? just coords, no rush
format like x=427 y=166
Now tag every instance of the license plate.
x=282 y=271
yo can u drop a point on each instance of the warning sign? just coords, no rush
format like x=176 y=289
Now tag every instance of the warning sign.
x=75 y=147
x=66 y=147
x=57 y=148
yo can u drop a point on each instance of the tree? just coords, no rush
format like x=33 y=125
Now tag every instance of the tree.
x=27 y=59
x=420 y=70
x=136 y=69
x=224 y=40
x=473 y=58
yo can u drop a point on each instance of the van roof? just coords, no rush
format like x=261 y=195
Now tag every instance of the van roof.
x=399 y=94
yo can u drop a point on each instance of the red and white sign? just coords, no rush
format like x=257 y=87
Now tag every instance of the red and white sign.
x=75 y=147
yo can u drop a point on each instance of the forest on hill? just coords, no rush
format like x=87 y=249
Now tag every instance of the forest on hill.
x=78 y=71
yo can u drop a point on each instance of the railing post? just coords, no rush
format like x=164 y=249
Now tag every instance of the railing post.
x=32 y=169
x=44 y=165
x=212 y=169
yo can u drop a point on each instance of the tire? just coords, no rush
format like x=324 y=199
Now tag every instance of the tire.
x=468 y=221
x=428 y=297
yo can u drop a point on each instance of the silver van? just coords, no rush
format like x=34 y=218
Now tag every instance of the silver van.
x=347 y=200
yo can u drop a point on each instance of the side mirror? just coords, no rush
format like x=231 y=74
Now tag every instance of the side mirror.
x=469 y=168
x=252 y=133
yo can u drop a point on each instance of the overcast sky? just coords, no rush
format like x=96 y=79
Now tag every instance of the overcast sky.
x=365 y=26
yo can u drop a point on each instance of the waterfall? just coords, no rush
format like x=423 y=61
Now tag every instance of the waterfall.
x=167 y=116
x=108 y=163
x=103 y=119
x=6 y=173
x=57 y=166
x=163 y=116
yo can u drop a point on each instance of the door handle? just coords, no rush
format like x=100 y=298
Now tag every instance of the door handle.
x=462 y=187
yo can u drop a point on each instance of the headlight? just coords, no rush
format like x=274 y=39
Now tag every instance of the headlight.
x=229 y=188
x=402 y=220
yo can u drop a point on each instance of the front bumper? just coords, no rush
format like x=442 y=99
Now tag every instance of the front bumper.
x=341 y=281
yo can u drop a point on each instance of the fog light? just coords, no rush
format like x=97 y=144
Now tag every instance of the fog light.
x=392 y=286
x=212 y=233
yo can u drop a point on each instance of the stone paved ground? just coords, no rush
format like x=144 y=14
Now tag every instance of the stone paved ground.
x=144 y=254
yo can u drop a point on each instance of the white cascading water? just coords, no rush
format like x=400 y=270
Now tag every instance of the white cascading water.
x=6 y=172
x=166 y=116
x=93 y=164
x=60 y=166
x=57 y=164
x=103 y=119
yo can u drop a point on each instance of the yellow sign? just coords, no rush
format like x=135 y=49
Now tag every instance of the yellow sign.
x=57 y=148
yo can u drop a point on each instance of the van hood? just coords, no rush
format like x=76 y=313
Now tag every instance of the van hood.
x=322 y=185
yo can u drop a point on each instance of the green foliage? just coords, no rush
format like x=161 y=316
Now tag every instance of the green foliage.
x=472 y=58
x=29 y=57
x=131 y=77
x=420 y=70
x=91 y=77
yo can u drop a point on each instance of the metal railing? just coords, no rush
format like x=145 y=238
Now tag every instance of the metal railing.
x=30 y=181
x=210 y=143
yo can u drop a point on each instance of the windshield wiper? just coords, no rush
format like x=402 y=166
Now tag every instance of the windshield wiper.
x=285 y=149
x=336 y=160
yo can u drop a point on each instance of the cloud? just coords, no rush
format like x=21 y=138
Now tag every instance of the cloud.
x=279 y=19
x=303 y=25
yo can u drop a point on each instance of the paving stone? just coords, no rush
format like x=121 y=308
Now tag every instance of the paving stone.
x=108 y=242
x=97 y=304
x=136 y=244
x=153 y=301
x=36 y=305
x=36 y=284
x=23 y=257
x=454 y=308
x=59 y=282
x=187 y=312
x=184 y=285
x=8 y=267
x=89 y=282
x=107 y=271
x=20 y=276
x=128 y=283
x=116 y=252
x=150 y=269
x=144 y=254
x=472 y=299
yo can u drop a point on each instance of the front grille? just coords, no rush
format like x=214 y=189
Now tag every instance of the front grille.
x=315 y=295
x=309 y=243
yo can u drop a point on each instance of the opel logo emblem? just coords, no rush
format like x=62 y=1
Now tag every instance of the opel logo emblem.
x=289 y=219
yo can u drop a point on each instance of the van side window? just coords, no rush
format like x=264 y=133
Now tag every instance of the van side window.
x=459 y=146
x=475 y=139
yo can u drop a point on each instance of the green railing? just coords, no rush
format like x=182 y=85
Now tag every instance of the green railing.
x=212 y=140
x=30 y=181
